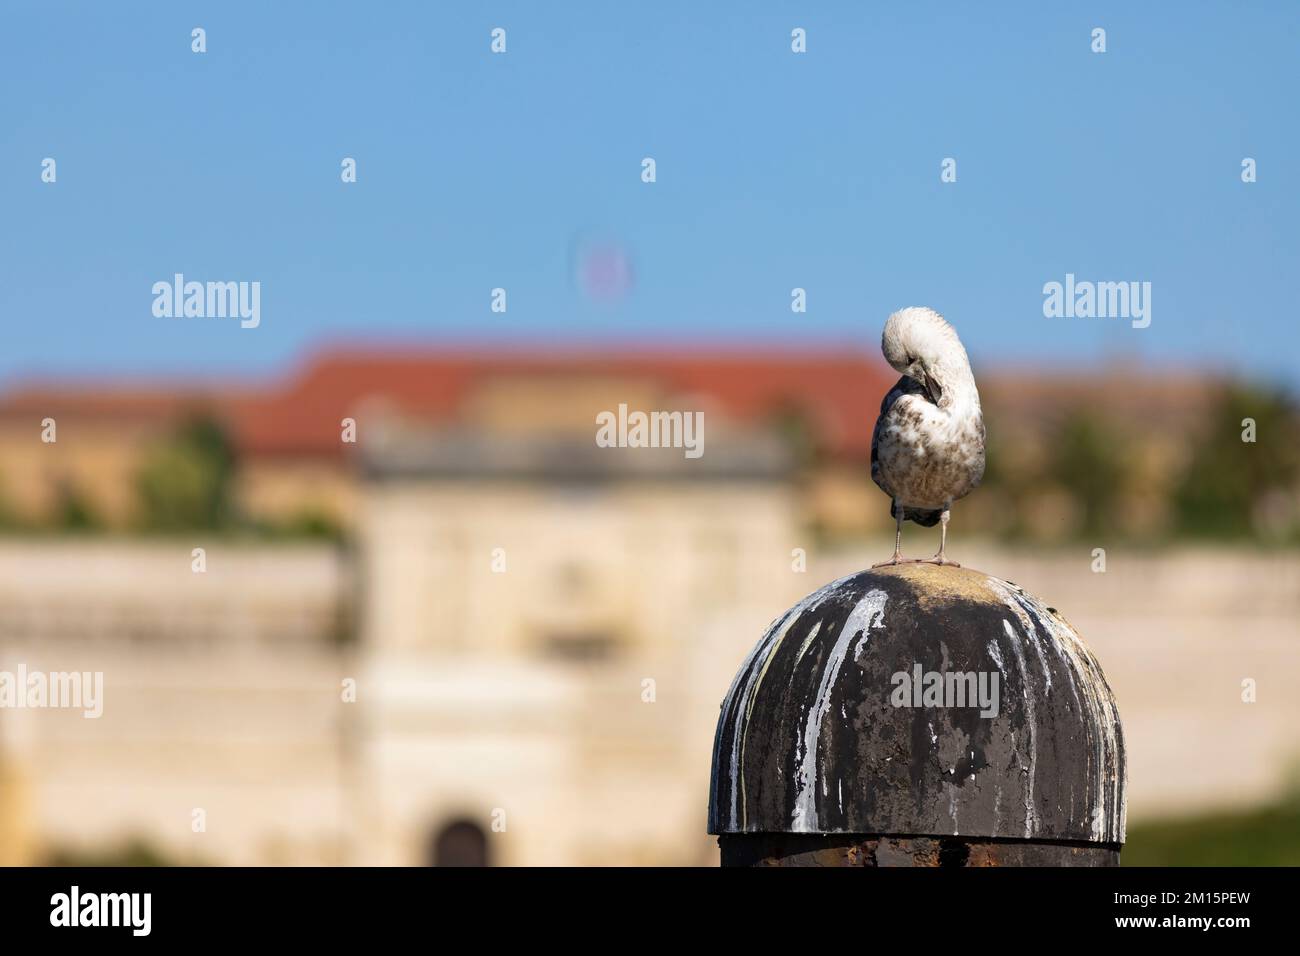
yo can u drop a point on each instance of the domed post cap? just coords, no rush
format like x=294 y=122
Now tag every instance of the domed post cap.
x=921 y=701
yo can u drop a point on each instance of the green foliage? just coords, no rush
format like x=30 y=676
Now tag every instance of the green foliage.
x=133 y=852
x=1268 y=836
x=73 y=512
x=1222 y=490
x=1227 y=476
x=1088 y=462
x=9 y=519
x=185 y=483
x=1008 y=484
x=311 y=523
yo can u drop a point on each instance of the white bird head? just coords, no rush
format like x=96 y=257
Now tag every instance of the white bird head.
x=918 y=343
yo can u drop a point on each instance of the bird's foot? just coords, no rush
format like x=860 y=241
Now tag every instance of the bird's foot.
x=940 y=560
x=896 y=559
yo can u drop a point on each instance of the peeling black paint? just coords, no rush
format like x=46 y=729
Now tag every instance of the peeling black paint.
x=803 y=849
x=1048 y=767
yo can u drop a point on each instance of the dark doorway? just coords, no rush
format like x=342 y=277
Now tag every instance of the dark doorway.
x=460 y=843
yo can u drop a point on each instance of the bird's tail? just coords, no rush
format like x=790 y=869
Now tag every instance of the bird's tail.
x=922 y=516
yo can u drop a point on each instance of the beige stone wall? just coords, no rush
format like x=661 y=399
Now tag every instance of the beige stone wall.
x=1176 y=633
x=486 y=706
x=283 y=490
x=16 y=829
x=222 y=691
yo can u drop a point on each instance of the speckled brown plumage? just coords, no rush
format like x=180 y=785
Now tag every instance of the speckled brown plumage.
x=927 y=450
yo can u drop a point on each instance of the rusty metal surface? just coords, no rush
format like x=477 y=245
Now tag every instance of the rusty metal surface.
x=808 y=740
x=799 y=849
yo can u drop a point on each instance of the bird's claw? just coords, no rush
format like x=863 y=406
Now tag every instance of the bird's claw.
x=896 y=559
x=941 y=561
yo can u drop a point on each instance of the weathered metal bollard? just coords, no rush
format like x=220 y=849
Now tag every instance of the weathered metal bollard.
x=919 y=715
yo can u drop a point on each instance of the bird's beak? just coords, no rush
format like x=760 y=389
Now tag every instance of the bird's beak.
x=927 y=383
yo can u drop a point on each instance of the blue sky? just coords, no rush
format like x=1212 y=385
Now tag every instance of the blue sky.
x=775 y=170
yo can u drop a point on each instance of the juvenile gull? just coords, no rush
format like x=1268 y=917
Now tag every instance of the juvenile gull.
x=928 y=447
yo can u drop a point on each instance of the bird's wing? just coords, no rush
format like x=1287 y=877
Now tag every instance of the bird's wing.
x=981 y=447
x=904 y=386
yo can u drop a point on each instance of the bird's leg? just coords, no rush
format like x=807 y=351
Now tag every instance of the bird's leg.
x=943 y=541
x=898 y=542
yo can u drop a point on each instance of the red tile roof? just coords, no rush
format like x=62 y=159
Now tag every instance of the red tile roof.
x=839 y=393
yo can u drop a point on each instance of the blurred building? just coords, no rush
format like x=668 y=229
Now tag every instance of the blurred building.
x=518 y=660
x=515 y=651
x=220 y=699
x=542 y=642
x=288 y=435
x=295 y=468
x=547 y=627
